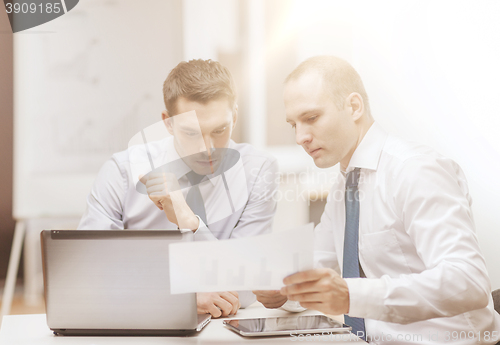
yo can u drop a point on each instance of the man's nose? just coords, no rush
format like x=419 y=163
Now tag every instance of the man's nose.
x=302 y=135
x=208 y=142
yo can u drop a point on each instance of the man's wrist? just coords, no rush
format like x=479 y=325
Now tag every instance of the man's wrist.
x=193 y=223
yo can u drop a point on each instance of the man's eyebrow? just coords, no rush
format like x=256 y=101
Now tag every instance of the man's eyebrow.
x=189 y=128
x=311 y=112
x=306 y=113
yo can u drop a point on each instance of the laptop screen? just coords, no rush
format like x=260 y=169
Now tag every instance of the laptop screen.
x=113 y=279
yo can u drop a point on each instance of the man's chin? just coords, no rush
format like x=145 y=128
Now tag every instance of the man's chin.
x=205 y=168
x=323 y=164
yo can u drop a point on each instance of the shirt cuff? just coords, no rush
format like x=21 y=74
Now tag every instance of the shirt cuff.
x=200 y=224
x=366 y=297
x=292 y=306
x=203 y=233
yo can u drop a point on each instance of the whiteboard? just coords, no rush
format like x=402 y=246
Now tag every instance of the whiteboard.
x=84 y=84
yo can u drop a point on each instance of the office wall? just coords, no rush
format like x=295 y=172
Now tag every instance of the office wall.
x=6 y=129
x=281 y=45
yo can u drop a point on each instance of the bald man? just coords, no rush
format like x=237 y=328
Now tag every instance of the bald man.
x=398 y=255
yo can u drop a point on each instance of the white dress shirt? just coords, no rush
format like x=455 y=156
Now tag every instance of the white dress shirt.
x=425 y=275
x=118 y=201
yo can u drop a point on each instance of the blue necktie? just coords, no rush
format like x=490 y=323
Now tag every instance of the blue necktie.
x=194 y=198
x=351 y=268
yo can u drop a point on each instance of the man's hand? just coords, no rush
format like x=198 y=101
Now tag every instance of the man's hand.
x=320 y=289
x=218 y=303
x=164 y=190
x=270 y=298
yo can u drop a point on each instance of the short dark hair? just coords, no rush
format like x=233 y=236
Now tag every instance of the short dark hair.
x=337 y=74
x=199 y=81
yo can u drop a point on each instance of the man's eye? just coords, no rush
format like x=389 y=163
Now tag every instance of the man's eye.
x=190 y=134
x=220 y=131
x=312 y=118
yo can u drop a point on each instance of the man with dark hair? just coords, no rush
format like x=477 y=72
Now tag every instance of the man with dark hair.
x=199 y=178
x=398 y=255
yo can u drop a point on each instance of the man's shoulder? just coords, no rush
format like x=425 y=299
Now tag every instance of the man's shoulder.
x=402 y=156
x=121 y=159
x=121 y=156
x=400 y=152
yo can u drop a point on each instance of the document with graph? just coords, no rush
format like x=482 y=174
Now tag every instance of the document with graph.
x=250 y=263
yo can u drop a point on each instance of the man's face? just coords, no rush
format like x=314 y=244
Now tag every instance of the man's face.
x=328 y=135
x=197 y=135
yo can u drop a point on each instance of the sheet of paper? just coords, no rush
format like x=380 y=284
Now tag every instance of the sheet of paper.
x=251 y=263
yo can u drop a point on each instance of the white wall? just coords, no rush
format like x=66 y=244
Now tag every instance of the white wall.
x=209 y=26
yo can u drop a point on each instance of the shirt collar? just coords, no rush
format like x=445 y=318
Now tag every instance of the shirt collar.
x=367 y=154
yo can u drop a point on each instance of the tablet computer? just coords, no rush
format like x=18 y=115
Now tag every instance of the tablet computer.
x=289 y=325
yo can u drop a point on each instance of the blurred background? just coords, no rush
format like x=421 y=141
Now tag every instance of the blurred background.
x=75 y=90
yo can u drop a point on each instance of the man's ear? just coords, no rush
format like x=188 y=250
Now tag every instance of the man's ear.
x=356 y=105
x=168 y=121
x=235 y=116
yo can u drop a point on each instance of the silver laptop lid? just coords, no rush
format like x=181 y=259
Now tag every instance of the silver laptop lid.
x=102 y=279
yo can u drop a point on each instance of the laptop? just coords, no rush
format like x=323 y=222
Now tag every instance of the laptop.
x=114 y=282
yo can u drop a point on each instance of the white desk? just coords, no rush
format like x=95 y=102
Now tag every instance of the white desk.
x=33 y=330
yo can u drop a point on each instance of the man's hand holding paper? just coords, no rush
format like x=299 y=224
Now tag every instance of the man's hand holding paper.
x=320 y=289
x=270 y=298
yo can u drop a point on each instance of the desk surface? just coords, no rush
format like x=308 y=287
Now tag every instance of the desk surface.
x=33 y=330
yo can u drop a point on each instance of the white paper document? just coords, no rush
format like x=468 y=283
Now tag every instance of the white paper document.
x=251 y=263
